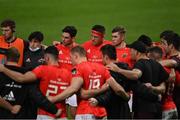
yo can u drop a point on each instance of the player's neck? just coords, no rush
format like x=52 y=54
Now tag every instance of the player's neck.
x=83 y=59
x=142 y=56
x=11 y=39
x=12 y=63
x=71 y=45
x=53 y=63
x=111 y=61
x=121 y=45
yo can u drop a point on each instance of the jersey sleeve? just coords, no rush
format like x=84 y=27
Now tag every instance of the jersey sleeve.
x=107 y=74
x=38 y=71
x=139 y=66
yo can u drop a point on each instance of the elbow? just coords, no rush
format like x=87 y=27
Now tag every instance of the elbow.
x=134 y=77
x=84 y=96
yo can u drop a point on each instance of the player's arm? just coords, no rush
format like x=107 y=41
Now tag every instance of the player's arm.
x=76 y=84
x=130 y=74
x=36 y=95
x=169 y=63
x=17 y=76
x=6 y=105
x=118 y=89
x=160 y=89
x=86 y=94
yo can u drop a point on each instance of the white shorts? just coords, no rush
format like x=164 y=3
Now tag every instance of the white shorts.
x=72 y=101
x=44 y=117
x=85 y=117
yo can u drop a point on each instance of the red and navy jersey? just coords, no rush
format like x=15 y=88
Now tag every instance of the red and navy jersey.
x=93 y=52
x=53 y=81
x=94 y=76
x=124 y=55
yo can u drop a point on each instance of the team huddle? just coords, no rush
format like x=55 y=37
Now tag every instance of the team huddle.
x=100 y=79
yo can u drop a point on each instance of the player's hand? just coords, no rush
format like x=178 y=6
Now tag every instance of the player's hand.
x=15 y=109
x=113 y=67
x=52 y=99
x=172 y=75
x=1 y=67
x=56 y=42
x=58 y=113
x=93 y=102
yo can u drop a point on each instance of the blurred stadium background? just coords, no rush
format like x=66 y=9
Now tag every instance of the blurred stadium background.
x=49 y=16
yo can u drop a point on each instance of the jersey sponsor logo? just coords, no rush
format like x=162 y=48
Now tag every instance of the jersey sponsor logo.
x=10 y=96
x=42 y=60
x=13 y=85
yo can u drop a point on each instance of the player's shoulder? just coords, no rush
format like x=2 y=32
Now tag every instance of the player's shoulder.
x=87 y=43
x=107 y=42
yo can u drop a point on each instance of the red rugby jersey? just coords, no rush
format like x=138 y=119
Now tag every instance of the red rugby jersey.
x=53 y=81
x=94 y=76
x=93 y=52
x=124 y=55
x=64 y=56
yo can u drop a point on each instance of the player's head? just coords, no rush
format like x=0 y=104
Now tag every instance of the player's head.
x=97 y=34
x=35 y=40
x=146 y=40
x=155 y=53
x=8 y=28
x=51 y=54
x=170 y=40
x=137 y=49
x=109 y=53
x=13 y=55
x=68 y=35
x=118 y=35
x=77 y=53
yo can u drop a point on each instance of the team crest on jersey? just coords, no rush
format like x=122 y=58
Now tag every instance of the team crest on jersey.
x=124 y=55
x=74 y=71
x=88 y=51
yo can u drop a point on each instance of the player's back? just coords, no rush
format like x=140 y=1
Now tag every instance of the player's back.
x=94 y=76
x=53 y=81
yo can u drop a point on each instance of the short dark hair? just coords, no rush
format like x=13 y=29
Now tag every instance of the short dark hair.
x=80 y=50
x=176 y=42
x=166 y=34
x=171 y=38
x=110 y=51
x=53 y=51
x=157 y=50
x=13 y=54
x=146 y=40
x=36 y=35
x=119 y=29
x=99 y=28
x=10 y=23
x=71 y=30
